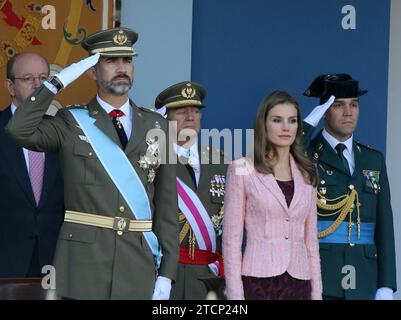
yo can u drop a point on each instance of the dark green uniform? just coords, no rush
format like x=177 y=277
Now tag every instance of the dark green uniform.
x=93 y=262
x=188 y=286
x=374 y=263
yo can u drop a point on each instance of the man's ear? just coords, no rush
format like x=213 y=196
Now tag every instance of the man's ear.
x=9 y=85
x=169 y=114
x=91 y=72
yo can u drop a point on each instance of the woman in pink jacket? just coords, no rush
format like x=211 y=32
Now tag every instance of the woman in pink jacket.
x=275 y=199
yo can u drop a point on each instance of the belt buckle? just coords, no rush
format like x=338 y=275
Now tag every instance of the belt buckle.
x=121 y=225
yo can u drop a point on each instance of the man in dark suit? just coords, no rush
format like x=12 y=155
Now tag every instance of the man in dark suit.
x=200 y=182
x=119 y=239
x=31 y=185
x=355 y=221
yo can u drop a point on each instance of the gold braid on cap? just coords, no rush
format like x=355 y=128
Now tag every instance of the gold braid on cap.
x=182 y=103
x=344 y=207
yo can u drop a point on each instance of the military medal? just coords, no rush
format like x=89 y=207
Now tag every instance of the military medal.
x=217 y=188
x=151 y=175
x=217 y=185
x=150 y=161
x=217 y=221
x=372 y=179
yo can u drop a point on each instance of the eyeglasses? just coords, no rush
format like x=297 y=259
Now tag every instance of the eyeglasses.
x=31 y=79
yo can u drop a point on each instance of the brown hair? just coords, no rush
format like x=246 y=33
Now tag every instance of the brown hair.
x=263 y=147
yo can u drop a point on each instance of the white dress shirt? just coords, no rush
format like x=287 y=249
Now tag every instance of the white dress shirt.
x=26 y=156
x=348 y=151
x=193 y=156
x=126 y=120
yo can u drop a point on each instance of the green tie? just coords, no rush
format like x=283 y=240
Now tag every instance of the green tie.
x=340 y=148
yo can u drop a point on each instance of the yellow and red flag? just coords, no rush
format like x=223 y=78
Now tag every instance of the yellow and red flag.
x=55 y=30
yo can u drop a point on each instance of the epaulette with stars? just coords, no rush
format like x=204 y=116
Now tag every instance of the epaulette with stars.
x=150 y=110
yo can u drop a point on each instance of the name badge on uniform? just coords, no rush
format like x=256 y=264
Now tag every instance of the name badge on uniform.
x=372 y=179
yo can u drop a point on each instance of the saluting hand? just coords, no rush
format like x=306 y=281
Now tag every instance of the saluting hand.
x=75 y=70
x=317 y=113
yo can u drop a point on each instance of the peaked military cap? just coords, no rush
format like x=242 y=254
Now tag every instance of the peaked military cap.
x=183 y=94
x=340 y=85
x=116 y=42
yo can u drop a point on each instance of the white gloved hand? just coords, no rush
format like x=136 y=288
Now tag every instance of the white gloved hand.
x=162 y=288
x=75 y=70
x=384 y=294
x=317 y=113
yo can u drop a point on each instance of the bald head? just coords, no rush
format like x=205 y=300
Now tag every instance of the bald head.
x=25 y=73
x=22 y=56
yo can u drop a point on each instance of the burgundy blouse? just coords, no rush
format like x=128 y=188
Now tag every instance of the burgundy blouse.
x=287 y=187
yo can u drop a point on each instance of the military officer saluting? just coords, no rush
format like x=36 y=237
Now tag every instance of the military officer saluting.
x=355 y=220
x=117 y=240
x=200 y=185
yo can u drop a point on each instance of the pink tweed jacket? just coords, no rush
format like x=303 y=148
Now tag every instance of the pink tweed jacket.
x=279 y=238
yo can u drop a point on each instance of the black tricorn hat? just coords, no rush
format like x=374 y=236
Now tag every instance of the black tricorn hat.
x=183 y=94
x=116 y=42
x=340 y=85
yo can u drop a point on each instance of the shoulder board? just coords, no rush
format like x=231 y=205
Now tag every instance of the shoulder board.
x=150 y=110
x=366 y=146
x=78 y=106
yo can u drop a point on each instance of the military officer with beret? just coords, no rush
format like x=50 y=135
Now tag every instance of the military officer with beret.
x=355 y=220
x=200 y=185
x=119 y=239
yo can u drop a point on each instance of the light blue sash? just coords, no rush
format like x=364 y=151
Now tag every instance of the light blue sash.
x=340 y=235
x=124 y=175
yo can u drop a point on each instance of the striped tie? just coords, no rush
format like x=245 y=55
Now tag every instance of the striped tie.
x=36 y=171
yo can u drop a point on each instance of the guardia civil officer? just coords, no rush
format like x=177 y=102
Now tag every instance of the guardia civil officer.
x=355 y=220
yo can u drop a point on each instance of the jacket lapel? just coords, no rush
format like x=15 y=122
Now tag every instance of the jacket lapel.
x=270 y=183
x=183 y=174
x=326 y=154
x=139 y=129
x=203 y=153
x=299 y=184
x=360 y=160
x=103 y=121
x=14 y=156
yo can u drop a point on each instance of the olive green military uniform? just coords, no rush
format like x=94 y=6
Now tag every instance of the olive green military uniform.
x=366 y=191
x=93 y=262
x=210 y=191
x=188 y=286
